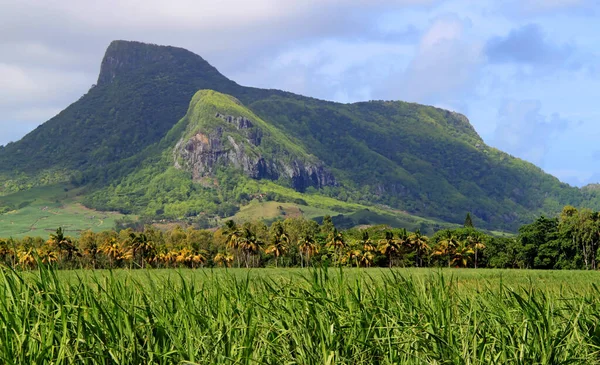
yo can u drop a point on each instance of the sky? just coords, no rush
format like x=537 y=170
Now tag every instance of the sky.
x=525 y=72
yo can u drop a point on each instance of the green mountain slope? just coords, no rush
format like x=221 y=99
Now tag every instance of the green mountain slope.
x=141 y=92
x=126 y=143
x=211 y=160
x=421 y=159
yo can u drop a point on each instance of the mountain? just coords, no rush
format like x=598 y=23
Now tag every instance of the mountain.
x=164 y=134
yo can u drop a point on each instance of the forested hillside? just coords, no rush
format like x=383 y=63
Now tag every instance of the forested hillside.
x=119 y=141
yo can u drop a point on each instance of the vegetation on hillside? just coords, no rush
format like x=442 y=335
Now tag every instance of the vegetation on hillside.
x=38 y=211
x=116 y=141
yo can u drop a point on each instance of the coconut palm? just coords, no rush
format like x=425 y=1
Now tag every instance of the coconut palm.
x=279 y=241
x=389 y=246
x=337 y=243
x=308 y=247
x=47 y=255
x=367 y=243
x=89 y=244
x=462 y=254
x=184 y=256
x=367 y=258
x=222 y=259
x=354 y=255
x=26 y=258
x=8 y=254
x=475 y=242
x=233 y=235
x=113 y=250
x=165 y=258
x=141 y=246
x=63 y=244
x=446 y=246
x=418 y=242
x=250 y=244
x=198 y=259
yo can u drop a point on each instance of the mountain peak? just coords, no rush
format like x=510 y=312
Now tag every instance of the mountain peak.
x=124 y=58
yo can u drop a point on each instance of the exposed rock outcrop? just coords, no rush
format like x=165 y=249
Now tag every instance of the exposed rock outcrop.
x=254 y=135
x=203 y=153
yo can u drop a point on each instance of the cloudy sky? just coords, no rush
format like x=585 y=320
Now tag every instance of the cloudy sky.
x=525 y=72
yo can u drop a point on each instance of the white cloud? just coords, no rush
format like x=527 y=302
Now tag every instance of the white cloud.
x=215 y=17
x=29 y=85
x=50 y=51
x=572 y=176
x=343 y=50
x=549 y=8
x=331 y=69
x=441 y=31
x=524 y=131
x=546 y=5
x=444 y=68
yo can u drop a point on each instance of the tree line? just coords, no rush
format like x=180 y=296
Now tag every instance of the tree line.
x=570 y=241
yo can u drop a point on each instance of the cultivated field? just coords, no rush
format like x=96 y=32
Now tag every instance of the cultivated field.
x=39 y=211
x=294 y=316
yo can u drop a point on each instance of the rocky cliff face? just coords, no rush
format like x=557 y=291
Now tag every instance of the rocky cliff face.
x=204 y=152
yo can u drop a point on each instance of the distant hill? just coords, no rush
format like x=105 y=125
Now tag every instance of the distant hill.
x=164 y=134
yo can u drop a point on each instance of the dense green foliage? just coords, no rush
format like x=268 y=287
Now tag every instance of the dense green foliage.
x=415 y=158
x=420 y=159
x=158 y=189
x=569 y=242
x=316 y=317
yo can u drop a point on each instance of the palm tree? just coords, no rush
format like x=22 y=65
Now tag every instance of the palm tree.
x=47 y=255
x=250 y=244
x=26 y=258
x=56 y=238
x=389 y=246
x=63 y=243
x=169 y=258
x=184 y=256
x=367 y=258
x=419 y=243
x=367 y=243
x=354 y=255
x=233 y=235
x=90 y=246
x=336 y=242
x=403 y=243
x=198 y=259
x=223 y=259
x=476 y=244
x=446 y=246
x=5 y=252
x=279 y=241
x=141 y=246
x=462 y=254
x=190 y=258
x=112 y=249
x=308 y=247
x=165 y=258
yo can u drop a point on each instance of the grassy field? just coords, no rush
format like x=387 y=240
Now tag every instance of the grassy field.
x=294 y=316
x=40 y=211
x=274 y=210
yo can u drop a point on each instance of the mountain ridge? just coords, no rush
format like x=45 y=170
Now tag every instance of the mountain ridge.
x=421 y=159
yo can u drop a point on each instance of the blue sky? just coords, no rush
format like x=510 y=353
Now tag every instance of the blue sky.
x=525 y=73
